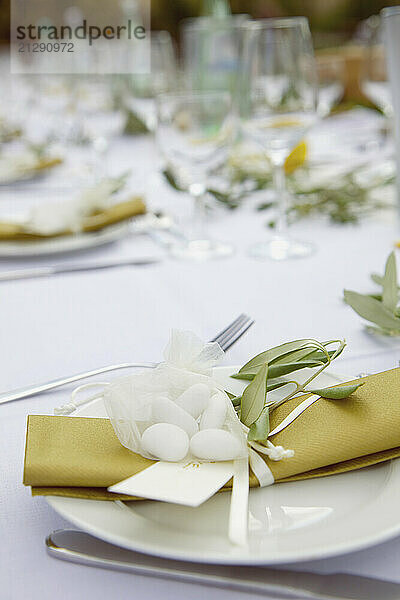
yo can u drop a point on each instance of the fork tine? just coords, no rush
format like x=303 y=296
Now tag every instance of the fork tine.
x=224 y=335
x=233 y=330
x=238 y=335
x=227 y=329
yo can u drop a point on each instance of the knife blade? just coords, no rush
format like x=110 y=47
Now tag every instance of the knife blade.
x=14 y=275
x=80 y=547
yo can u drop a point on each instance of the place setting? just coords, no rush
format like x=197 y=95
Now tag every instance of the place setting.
x=200 y=300
x=178 y=431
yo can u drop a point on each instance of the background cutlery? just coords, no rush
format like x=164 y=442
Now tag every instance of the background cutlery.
x=74 y=268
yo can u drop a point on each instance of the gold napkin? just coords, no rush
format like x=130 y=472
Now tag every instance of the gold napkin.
x=94 y=222
x=47 y=163
x=81 y=457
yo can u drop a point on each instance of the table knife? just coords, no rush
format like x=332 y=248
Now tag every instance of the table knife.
x=16 y=274
x=80 y=547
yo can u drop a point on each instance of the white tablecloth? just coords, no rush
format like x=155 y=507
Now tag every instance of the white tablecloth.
x=65 y=324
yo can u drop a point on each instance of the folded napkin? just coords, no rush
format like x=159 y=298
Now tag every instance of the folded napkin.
x=80 y=457
x=13 y=168
x=47 y=163
x=93 y=222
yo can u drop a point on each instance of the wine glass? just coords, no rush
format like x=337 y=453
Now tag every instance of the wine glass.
x=331 y=71
x=278 y=105
x=194 y=134
x=142 y=89
x=374 y=80
x=100 y=120
x=211 y=50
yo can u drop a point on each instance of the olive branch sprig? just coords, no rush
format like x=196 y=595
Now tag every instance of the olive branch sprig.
x=381 y=309
x=267 y=371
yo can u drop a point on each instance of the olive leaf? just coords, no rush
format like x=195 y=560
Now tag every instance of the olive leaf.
x=378 y=279
x=289 y=362
x=297 y=355
x=236 y=400
x=337 y=393
x=269 y=356
x=372 y=310
x=279 y=370
x=380 y=309
x=244 y=376
x=253 y=398
x=259 y=430
x=135 y=125
x=284 y=369
x=389 y=286
x=311 y=353
x=172 y=179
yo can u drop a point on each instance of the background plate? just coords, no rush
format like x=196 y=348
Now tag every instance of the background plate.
x=68 y=243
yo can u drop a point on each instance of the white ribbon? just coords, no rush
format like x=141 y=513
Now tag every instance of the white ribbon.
x=67 y=409
x=238 y=516
x=238 y=513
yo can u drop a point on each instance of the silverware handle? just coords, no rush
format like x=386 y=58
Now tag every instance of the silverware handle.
x=106 y=265
x=26 y=273
x=44 y=387
x=55 y=270
x=79 y=547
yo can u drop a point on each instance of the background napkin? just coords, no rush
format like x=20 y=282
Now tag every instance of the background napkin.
x=81 y=457
x=113 y=214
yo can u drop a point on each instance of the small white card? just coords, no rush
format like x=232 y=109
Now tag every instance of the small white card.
x=188 y=483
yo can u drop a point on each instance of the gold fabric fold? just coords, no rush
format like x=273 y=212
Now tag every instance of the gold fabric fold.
x=47 y=163
x=109 y=216
x=81 y=457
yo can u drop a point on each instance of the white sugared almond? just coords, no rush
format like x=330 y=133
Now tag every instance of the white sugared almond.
x=214 y=444
x=215 y=414
x=165 y=410
x=166 y=442
x=195 y=399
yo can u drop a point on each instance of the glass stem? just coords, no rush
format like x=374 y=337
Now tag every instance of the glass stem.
x=199 y=212
x=279 y=179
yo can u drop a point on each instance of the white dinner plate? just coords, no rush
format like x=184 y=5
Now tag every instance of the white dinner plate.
x=67 y=243
x=288 y=522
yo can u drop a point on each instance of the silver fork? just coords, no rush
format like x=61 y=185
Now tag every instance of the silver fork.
x=226 y=338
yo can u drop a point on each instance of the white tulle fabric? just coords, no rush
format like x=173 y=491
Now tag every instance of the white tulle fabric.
x=50 y=218
x=188 y=361
x=187 y=351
